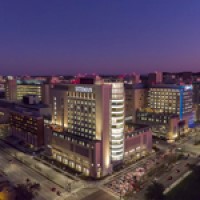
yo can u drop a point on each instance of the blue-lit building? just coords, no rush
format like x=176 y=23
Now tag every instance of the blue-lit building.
x=172 y=99
x=169 y=110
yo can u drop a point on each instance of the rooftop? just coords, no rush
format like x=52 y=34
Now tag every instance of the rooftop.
x=11 y=104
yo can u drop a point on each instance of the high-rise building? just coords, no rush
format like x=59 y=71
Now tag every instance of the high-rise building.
x=88 y=126
x=81 y=125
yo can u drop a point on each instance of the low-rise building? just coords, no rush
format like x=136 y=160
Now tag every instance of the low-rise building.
x=138 y=141
x=27 y=126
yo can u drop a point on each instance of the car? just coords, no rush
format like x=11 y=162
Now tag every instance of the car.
x=169 y=178
x=58 y=193
x=53 y=189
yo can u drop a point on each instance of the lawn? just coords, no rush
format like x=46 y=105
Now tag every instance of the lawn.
x=188 y=189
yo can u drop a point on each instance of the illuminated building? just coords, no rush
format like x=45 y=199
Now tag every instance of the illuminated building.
x=169 y=110
x=27 y=126
x=81 y=126
x=88 y=126
x=16 y=89
x=196 y=100
x=172 y=99
x=135 y=98
x=27 y=120
x=117 y=120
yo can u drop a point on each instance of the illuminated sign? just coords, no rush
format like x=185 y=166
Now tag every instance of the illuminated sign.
x=188 y=87
x=83 y=89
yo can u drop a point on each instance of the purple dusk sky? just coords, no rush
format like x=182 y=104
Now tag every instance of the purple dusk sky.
x=103 y=36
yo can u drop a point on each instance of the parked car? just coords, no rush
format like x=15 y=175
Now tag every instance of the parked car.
x=53 y=189
x=169 y=178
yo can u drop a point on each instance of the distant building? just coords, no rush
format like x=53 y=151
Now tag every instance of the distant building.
x=169 y=110
x=173 y=99
x=11 y=90
x=135 y=98
x=16 y=89
x=26 y=119
x=196 y=100
x=155 y=78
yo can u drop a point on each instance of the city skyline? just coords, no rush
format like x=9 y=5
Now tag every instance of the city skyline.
x=99 y=37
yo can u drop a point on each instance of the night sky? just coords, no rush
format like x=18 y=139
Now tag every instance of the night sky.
x=52 y=37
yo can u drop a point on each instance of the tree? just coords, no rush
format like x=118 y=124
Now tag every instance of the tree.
x=26 y=191
x=155 y=192
x=196 y=171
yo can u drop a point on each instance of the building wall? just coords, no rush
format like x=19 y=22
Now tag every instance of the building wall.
x=138 y=143
x=11 y=90
x=117 y=122
x=85 y=157
x=16 y=91
x=168 y=126
x=171 y=99
x=46 y=93
x=26 y=89
x=140 y=100
x=86 y=111
x=135 y=98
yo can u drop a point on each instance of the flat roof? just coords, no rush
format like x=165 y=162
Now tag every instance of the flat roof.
x=168 y=86
x=136 y=126
x=11 y=104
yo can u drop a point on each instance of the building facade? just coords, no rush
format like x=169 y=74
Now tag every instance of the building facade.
x=88 y=121
x=169 y=111
x=16 y=89
x=81 y=118
x=28 y=127
x=135 y=98
x=138 y=141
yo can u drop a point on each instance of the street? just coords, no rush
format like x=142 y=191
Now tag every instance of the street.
x=17 y=173
x=26 y=167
